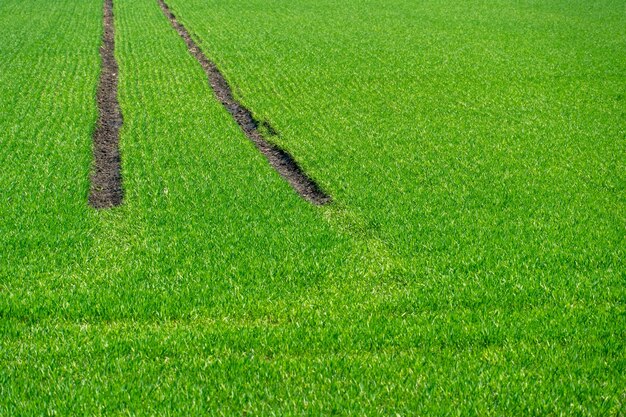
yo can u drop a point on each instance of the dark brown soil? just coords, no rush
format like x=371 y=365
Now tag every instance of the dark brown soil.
x=278 y=158
x=106 y=178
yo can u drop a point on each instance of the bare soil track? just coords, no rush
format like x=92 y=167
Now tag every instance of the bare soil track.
x=106 y=178
x=278 y=158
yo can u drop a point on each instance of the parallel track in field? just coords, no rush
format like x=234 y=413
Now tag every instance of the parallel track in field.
x=278 y=158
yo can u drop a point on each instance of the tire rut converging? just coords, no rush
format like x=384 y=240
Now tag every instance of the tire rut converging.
x=106 y=178
x=278 y=158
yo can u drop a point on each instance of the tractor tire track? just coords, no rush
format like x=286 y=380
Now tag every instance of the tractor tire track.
x=278 y=158
x=106 y=177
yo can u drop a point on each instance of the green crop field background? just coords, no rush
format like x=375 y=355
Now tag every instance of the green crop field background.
x=471 y=263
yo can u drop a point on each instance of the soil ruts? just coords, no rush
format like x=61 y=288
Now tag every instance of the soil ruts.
x=278 y=158
x=106 y=178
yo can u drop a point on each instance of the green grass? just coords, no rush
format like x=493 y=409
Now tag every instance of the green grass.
x=471 y=264
x=48 y=80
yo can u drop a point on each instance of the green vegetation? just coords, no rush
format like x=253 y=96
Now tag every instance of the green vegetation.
x=471 y=264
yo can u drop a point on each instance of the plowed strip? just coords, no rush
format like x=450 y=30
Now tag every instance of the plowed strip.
x=106 y=179
x=278 y=158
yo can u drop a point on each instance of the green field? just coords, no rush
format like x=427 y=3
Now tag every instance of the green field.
x=472 y=261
